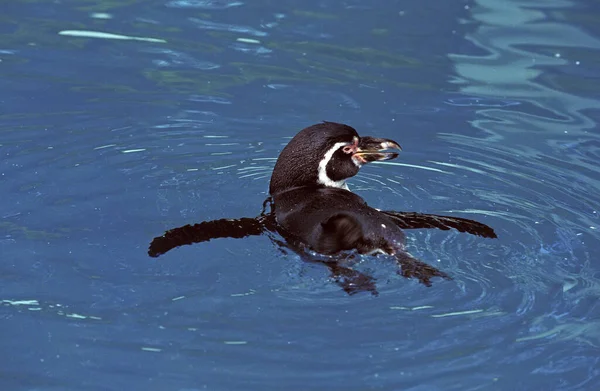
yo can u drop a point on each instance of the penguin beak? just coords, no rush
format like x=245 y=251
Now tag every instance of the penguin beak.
x=372 y=149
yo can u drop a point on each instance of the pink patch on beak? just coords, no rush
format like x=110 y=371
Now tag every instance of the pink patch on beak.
x=351 y=149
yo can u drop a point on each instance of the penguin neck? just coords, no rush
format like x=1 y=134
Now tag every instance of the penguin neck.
x=277 y=188
x=295 y=168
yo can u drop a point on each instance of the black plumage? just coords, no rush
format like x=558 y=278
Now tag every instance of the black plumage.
x=320 y=218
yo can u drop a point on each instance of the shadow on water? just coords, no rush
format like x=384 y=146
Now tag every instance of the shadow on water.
x=107 y=141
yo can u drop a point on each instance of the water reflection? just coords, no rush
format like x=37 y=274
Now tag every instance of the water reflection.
x=508 y=70
x=536 y=143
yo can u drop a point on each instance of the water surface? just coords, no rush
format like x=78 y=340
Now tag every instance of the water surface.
x=178 y=117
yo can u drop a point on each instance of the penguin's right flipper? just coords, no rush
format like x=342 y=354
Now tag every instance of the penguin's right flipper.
x=412 y=267
x=411 y=220
x=207 y=230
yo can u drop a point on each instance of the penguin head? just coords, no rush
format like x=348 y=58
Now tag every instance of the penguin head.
x=327 y=154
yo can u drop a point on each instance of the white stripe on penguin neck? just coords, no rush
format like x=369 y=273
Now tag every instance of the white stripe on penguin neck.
x=323 y=177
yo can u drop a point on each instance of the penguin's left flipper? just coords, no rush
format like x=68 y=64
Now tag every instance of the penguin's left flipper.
x=410 y=220
x=412 y=267
x=207 y=230
x=351 y=281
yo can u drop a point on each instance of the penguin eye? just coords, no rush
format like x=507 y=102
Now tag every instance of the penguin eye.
x=348 y=149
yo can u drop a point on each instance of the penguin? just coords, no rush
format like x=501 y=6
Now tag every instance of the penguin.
x=312 y=201
x=317 y=215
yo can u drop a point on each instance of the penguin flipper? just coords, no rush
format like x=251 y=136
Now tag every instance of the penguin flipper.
x=207 y=230
x=410 y=220
x=350 y=280
x=412 y=267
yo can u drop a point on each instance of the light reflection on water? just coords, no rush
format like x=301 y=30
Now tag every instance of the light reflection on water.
x=547 y=190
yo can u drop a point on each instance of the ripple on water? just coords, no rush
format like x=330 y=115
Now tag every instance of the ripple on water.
x=168 y=58
x=209 y=25
x=480 y=102
x=204 y=4
x=543 y=224
x=85 y=190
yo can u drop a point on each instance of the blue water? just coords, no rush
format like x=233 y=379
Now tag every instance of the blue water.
x=106 y=143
